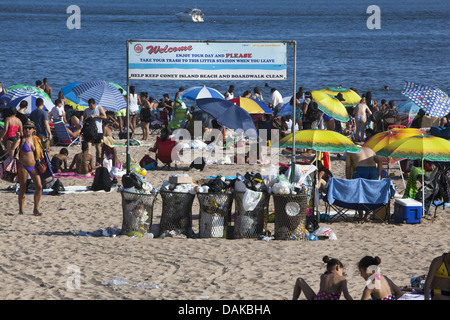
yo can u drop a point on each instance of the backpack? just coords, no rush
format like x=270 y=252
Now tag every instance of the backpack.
x=102 y=180
x=313 y=112
x=89 y=130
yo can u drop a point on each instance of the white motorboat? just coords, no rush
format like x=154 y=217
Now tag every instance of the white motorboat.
x=191 y=15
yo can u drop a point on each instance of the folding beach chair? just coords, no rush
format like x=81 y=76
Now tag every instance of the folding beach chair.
x=358 y=194
x=164 y=152
x=179 y=119
x=160 y=121
x=63 y=135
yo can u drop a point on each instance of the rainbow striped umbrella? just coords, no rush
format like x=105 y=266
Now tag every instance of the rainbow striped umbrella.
x=330 y=105
x=351 y=98
x=252 y=106
x=424 y=147
x=320 y=140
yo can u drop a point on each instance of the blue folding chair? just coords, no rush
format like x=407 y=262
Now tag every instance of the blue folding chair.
x=360 y=195
x=64 y=138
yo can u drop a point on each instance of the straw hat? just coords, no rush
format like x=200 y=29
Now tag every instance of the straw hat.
x=109 y=141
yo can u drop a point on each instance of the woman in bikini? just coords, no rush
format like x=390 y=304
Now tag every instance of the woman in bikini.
x=360 y=114
x=13 y=130
x=378 y=286
x=83 y=161
x=333 y=283
x=26 y=166
x=437 y=283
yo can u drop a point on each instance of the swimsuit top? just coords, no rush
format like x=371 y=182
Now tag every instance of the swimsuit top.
x=12 y=130
x=442 y=272
x=25 y=147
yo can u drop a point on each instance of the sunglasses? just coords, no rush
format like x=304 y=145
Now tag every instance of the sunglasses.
x=28 y=128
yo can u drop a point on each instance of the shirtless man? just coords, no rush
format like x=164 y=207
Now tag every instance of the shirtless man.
x=366 y=165
x=47 y=88
x=360 y=119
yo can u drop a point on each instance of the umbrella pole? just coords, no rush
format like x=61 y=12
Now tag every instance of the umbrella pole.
x=423 y=189
x=293 y=117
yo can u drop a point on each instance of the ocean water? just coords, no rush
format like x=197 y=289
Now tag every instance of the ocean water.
x=334 y=44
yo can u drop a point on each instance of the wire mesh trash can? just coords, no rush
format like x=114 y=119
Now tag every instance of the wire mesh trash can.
x=290 y=216
x=137 y=212
x=215 y=214
x=176 y=212
x=250 y=220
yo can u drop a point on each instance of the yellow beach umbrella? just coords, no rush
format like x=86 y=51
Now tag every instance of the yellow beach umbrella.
x=330 y=105
x=351 y=98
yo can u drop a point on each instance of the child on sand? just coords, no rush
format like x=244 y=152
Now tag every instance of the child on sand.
x=59 y=160
x=332 y=283
x=378 y=287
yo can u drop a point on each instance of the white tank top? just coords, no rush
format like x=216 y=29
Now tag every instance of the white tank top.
x=133 y=102
x=98 y=122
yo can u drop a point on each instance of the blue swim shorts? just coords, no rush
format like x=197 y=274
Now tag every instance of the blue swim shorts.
x=370 y=173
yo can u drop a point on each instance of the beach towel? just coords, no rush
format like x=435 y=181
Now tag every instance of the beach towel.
x=349 y=193
x=72 y=175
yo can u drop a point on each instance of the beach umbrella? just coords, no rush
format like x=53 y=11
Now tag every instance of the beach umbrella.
x=104 y=94
x=252 y=106
x=330 y=105
x=423 y=147
x=383 y=139
x=351 y=98
x=408 y=107
x=195 y=93
x=433 y=101
x=31 y=99
x=228 y=115
x=320 y=140
x=72 y=99
x=29 y=88
x=15 y=96
x=118 y=87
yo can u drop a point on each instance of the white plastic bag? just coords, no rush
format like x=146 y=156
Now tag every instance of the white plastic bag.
x=325 y=232
x=251 y=199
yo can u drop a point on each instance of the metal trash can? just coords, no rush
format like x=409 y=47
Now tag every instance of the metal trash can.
x=250 y=222
x=215 y=214
x=137 y=211
x=290 y=216
x=176 y=212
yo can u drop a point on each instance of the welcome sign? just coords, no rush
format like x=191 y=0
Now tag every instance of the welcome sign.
x=207 y=60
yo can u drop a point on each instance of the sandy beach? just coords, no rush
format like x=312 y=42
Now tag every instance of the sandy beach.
x=40 y=254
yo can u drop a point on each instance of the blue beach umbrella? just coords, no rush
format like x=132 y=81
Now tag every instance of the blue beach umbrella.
x=228 y=115
x=16 y=96
x=195 y=93
x=408 y=107
x=104 y=94
x=71 y=97
x=433 y=101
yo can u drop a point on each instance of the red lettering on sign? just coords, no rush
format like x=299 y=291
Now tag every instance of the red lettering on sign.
x=167 y=49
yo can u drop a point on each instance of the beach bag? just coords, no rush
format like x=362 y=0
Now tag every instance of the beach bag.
x=89 y=130
x=147 y=162
x=131 y=180
x=102 y=180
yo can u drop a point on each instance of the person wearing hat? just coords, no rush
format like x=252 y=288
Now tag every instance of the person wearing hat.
x=27 y=166
x=109 y=152
x=360 y=114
